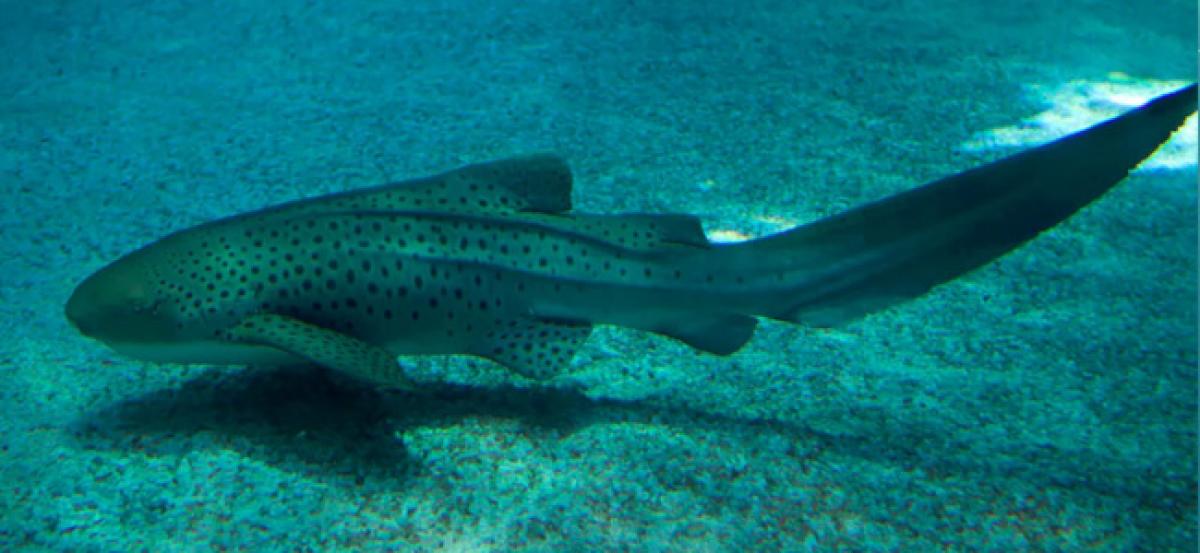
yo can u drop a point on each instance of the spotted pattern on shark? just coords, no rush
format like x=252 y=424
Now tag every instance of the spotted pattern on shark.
x=489 y=260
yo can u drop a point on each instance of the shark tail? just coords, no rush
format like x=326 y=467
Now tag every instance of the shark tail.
x=854 y=263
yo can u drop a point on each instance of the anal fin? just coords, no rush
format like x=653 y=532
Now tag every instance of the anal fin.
x=535 y=348
x=322 y=346
x=720 y=334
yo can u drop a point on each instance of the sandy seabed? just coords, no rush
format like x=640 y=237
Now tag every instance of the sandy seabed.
x=1046 y=402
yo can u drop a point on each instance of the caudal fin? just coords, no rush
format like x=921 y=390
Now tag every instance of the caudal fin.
x=882 y=253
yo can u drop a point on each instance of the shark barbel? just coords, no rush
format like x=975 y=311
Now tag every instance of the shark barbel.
x=489 y=260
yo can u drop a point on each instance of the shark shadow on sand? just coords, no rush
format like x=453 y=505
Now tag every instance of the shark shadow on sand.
x=341 y=431
x=310 y=419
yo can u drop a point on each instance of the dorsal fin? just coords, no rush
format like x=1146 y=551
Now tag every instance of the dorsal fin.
x=539 y=183
x=536 y=183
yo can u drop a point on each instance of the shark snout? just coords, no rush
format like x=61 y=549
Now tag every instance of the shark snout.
x=115 y=305
x=81 y=313
x=92 y=306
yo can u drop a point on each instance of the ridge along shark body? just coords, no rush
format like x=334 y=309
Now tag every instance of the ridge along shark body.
x=488 y=260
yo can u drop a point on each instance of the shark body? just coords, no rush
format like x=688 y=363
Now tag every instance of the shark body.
x=489 y=260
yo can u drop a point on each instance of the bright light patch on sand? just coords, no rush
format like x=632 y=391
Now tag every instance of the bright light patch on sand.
x=761 y=225
x=727 y=235
x=1078 y=104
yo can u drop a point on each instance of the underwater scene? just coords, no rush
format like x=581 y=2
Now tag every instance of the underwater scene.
x=615 y=275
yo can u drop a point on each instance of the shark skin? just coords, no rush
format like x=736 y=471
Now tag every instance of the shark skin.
x=489 y=260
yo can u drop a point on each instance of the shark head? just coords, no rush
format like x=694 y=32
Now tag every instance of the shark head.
x=145 y=306
x=122 y=302
x=346 y=263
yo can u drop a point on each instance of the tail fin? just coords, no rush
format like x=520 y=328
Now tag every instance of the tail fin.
x=882 y=253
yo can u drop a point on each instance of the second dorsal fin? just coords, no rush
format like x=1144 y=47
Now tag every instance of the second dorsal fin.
x=643 y=231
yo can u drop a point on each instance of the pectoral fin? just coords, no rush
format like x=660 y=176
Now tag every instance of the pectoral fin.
x=322 y=346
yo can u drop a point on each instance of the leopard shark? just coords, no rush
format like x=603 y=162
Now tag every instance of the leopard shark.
x=490 y=260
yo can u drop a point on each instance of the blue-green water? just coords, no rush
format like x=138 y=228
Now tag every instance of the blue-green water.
x=1046 y=402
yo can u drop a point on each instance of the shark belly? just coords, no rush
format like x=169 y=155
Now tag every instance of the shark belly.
x=210 y=352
